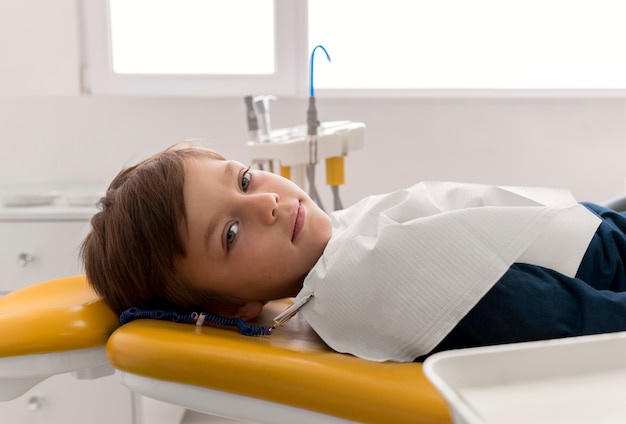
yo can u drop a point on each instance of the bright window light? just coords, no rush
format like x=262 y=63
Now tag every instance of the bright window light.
x=469 y=44
x=379 y=48
x=192 y=36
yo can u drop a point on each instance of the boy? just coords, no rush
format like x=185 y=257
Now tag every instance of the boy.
x=395 y=277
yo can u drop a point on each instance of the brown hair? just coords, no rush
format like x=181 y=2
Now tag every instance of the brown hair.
x=130 y=253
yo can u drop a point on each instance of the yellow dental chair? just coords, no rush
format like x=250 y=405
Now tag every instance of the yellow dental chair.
x=288 y=377
x=51 y=328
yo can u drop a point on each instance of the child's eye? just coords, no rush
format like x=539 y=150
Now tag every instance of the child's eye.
x=231 y=234
x=245 y=180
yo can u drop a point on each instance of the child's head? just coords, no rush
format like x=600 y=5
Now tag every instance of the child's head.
x=188 y=229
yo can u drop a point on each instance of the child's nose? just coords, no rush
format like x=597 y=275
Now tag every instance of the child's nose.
x=264 y=206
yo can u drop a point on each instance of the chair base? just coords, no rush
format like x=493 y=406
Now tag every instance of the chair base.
x=228 y=405
x=18 y=374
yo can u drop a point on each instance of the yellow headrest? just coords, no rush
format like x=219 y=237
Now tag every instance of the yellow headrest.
x=292 y=366
x=52 y=316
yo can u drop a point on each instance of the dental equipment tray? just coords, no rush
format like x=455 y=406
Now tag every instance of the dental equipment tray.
x=291 y=147
x=572 y=380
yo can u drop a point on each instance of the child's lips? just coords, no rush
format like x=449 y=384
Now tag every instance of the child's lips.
x=298 y=218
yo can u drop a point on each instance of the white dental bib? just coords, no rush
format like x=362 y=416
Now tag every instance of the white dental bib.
x=402 y=269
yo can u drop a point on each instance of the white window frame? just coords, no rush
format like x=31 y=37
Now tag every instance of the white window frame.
x=290 y=69
x=290 y=79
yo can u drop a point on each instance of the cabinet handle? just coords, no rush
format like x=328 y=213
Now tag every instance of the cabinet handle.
x=34 y=403
x=25 y=259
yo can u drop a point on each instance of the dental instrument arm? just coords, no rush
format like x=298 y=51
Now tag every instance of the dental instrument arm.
x=312 y=124
x=252 y=122
x=251 y=119
x=261 y=105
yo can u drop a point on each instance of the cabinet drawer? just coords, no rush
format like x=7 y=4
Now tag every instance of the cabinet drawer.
x=34 y=251
x=63 y=399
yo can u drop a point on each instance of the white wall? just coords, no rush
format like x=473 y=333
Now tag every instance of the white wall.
x=50 y=133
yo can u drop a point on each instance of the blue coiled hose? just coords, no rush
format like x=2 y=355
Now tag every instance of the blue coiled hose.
x=192 y=318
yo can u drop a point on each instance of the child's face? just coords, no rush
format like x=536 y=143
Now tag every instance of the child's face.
x=251 y=235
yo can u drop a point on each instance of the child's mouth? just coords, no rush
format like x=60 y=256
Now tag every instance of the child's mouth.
x=300 y=214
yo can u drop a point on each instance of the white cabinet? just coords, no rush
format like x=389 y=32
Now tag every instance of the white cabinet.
x=38 y=244
x=33 y=251
x=63 y=399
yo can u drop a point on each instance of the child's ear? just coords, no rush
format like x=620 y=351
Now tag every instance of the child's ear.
x=250 y=310
x=246 y=312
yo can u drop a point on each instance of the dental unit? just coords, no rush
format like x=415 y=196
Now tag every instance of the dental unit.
x=298 y=150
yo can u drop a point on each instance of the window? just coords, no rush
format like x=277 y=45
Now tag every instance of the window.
x=391 y=47
x=187 y=37
x=190 y=47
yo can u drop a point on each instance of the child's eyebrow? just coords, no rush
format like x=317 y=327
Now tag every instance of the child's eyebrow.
x=230 y=171
x=208 y=234
x=229 y=174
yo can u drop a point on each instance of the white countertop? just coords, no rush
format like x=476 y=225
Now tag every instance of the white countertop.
x=46 y=204
x=47 y=213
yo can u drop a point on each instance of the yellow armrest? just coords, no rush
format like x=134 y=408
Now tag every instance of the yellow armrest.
x=53 y=316
x=293 y=367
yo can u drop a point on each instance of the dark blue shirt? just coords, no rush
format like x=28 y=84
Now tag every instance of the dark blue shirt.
x=530 y=302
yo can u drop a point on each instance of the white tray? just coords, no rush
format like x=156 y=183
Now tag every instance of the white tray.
x=573 y=380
